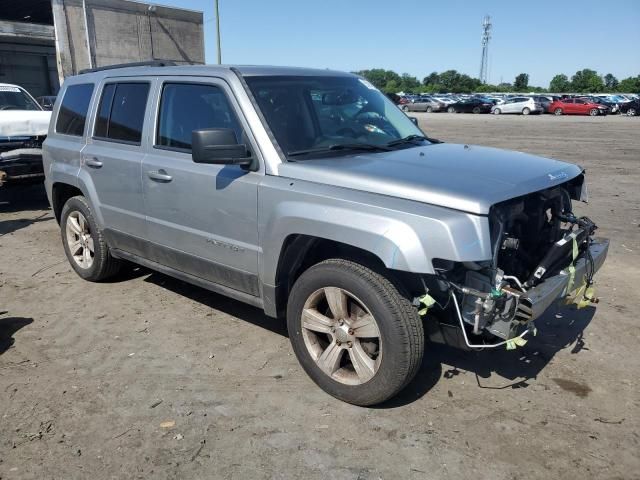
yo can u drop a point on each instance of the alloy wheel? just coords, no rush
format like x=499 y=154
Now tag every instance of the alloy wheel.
x=79 y=239
x=341 y=335
x=631 y=112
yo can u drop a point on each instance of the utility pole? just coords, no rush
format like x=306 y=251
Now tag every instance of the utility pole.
x=486 y=36
x=218 y=33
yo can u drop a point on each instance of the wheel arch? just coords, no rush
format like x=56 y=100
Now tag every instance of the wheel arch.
x=299 y=252
x=60 y=193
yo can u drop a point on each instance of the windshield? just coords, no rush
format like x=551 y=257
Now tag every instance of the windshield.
x=312 y=113
x=14 y=98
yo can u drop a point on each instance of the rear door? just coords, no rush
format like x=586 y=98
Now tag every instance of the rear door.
x=202 y=218
x=112 y=160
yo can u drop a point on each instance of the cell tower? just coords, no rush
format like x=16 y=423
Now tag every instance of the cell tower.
x=486 y=36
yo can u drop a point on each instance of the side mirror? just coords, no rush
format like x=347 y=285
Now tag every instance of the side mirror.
x=218 y=146
x=414 y=120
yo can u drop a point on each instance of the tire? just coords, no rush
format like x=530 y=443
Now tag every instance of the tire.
x=526 y=111
x=476 y=110
x=558 y=111
x=632 y=112
x=429 y=109
x=400 y=335
x=405 y=108
x=78 y=224
x=497 y=111
x=451 y=110
x=594 y=112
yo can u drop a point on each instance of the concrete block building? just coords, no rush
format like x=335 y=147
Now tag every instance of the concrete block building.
x=44 y=41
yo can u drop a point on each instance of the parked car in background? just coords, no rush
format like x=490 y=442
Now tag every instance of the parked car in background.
x=424 y=104
x=47 y=101
x=577 y=106
x=631 y=109
x=521 y=105
x=470 y=105
x=23 y=127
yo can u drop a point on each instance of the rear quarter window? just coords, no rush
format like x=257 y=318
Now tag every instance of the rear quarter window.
x=72 y=116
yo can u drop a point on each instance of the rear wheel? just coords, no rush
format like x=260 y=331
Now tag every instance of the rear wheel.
x=594 y=112
x=354 y=334
x=429 y=109
x=84 y=243
x=558 y=111
x=405 y=108
x=632 y=112
x=451 y=110
x=476 y=110
x=526 y=111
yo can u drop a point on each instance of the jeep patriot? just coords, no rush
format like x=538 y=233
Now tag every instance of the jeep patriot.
x=308 y=194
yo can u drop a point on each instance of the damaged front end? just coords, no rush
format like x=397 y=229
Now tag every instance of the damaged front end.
x=21 y=157
x=541 y=252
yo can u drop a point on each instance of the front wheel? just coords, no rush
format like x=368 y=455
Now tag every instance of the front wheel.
x=558 y=111
x=497 y=111
x=354 y=334
x=476 y=110
x=405 y=108
x=594 y=112
x=429 y=109
x=451 y=110
x=83 y=242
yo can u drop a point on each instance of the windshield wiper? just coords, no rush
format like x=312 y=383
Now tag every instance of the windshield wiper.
x=411 y=139
x=341 y=146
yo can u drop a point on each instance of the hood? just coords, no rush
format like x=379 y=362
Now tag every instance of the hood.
x=462 y=177
x=17 y=123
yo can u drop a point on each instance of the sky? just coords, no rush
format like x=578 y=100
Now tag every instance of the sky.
x=541 y=38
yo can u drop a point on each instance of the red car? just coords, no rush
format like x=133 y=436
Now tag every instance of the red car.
x=577 y=106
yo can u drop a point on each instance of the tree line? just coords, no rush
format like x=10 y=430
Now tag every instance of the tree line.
x=583 y=81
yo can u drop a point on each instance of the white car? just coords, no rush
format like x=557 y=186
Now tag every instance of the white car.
x=23 y=127
x=523 y=105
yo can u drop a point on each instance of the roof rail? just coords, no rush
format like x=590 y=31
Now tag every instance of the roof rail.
x=152 y=63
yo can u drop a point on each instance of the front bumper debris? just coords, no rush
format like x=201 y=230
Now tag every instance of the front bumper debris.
x=535 y=301
x=20 y=164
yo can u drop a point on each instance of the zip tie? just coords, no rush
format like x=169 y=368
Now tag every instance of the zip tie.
x=428 y=301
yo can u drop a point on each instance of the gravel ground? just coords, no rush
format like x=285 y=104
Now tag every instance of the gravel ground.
x=148 y=377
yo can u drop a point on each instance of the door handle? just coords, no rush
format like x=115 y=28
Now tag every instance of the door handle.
x=159 y=176
x=93 y=162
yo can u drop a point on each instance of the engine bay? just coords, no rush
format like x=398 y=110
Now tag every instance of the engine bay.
x=534 y=238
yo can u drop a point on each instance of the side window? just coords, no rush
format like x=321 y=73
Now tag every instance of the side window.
x=185 y=107
x=121 y=112
x=72 y=116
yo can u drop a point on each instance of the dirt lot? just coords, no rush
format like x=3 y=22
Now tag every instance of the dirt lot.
x=89 y=372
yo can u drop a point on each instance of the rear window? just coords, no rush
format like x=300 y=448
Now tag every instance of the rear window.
x=72 y=116
x=121 y=112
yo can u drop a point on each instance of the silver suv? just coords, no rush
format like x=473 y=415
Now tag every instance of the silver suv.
x=310 y=195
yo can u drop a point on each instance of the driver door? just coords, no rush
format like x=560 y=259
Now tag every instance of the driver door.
x=201 y=218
